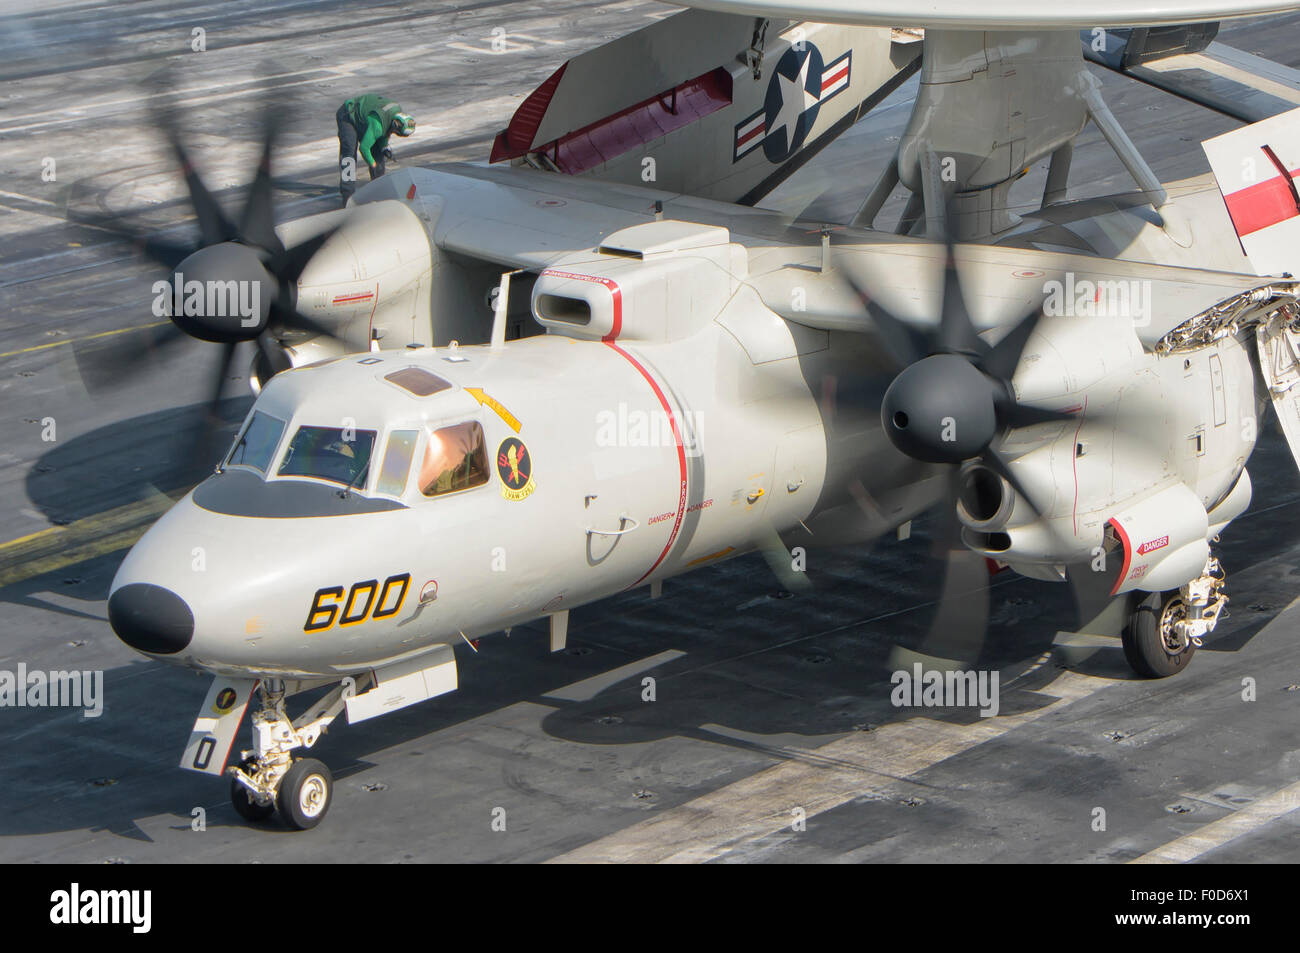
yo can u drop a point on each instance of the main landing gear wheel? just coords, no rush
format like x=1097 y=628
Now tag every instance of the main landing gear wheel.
x=304 y=795
x=1153 y=646
x=247 y=806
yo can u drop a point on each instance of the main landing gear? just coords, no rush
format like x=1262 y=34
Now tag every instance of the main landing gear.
x=1165 y=629
x=270 y=779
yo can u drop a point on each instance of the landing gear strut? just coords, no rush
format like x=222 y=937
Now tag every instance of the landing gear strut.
x=270 y=779
x=1165 y=629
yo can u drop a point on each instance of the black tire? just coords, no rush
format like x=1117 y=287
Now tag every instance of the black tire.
x=245 y=806
x=305 y=794
x=1144 y=647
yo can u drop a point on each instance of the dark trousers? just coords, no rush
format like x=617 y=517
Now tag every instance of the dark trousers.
x=348 y=156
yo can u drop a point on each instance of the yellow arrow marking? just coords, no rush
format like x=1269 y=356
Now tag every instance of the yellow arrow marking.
x=511 y=420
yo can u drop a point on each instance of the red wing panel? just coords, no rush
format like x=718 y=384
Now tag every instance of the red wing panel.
x=517 y=138
x=622 y=132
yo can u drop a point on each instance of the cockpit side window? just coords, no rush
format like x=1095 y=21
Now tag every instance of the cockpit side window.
x=397 y=462
x=455 y=458
x=330 y=453
x=256 y=445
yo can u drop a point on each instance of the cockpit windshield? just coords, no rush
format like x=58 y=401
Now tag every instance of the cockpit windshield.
x=340 y=455
x=256 y=445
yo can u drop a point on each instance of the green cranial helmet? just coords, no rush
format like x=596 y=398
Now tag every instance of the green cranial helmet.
x=403 y=124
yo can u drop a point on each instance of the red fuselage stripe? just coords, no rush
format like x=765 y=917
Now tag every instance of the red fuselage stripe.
x=609 y=340
x=681 y=457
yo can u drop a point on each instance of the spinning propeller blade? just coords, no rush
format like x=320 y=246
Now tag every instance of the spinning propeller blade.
x=249 y=254
x=950 y=403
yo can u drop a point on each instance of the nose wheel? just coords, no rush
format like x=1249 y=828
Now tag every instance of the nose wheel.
x=304 y=794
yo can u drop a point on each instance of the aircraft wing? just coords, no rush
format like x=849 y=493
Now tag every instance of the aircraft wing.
x=520 y=218
x=516 y=218
x=1000 y=284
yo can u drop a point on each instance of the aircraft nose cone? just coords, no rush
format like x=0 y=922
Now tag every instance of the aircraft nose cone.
x=150 y=618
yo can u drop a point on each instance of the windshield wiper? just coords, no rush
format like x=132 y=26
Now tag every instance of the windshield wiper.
x=346 y=492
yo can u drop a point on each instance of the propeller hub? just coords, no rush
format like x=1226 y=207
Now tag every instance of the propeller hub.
x=222 y=293
x=941 y=409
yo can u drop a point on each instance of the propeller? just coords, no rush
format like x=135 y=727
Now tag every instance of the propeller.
x=238 y=284
x=948 y=404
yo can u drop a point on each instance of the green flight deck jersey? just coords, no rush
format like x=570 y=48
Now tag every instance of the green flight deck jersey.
x=372 y=117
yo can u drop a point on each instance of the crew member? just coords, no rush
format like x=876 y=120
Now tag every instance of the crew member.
x=367 y=122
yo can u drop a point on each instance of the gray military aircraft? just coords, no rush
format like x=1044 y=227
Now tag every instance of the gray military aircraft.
x=710 y=382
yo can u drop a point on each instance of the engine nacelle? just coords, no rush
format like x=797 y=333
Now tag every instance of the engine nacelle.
x=1164 y=540
x=372 y=276
x=985 y=501
x=1231 y=506
x=1031 y=545
x=370 y=280
x=1000 y=524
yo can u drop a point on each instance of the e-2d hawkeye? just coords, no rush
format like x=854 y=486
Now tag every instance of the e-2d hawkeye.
x=698 y=394
x=711 y=381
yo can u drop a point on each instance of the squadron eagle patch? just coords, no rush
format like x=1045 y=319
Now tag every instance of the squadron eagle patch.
x=515 y=467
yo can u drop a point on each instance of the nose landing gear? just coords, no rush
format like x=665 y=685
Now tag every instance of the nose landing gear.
x=244 y=798
x=270 y=779
x=1165 y=629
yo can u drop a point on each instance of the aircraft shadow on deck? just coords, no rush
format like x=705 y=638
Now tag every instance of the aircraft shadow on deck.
x=95 y=484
